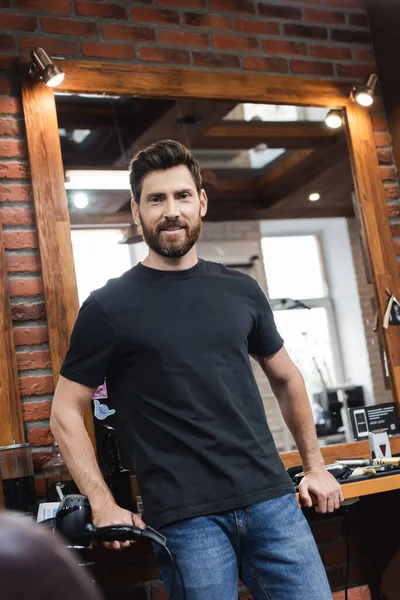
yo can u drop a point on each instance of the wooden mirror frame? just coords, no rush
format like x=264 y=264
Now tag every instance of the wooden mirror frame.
x=52 y=217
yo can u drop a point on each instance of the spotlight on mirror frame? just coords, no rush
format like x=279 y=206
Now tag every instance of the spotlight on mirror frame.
x=80 y=200
x=364 y=94
x=314 y=197
x=42 y=68
x=334 y=119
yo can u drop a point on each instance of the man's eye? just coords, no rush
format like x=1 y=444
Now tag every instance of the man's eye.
x=155 y=200
x=184 y=196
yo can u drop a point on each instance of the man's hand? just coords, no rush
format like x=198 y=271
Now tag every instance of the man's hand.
x=319 y=482
x=112 y=514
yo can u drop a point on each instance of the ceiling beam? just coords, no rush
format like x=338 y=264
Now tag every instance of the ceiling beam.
x=242 y=135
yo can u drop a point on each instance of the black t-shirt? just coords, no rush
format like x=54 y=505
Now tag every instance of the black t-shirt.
x=174 y=347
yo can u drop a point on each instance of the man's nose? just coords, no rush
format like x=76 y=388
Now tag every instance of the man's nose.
x=171 y=209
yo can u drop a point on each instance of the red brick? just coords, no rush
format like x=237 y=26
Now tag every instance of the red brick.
x=20 y=240
x=311 y=68
x=159 y=593
x=16 y=263
x=6 y=42
x=396 y=246
x=326 y=531
x=40 y=458
x=388 y=173
x=15 y=193
x=382 y=140
x=393 y=210
x=53 y=46
x=385 y=157
x=331 y=52
x=5 y=86
x=233 y=6
x=7 y=62
x=279 y=12
x=28 y=361
x=10 y=106
x=207 y=21
x=334 y=554
x=152 y=15
x=13 y=149
x=335 y=577
x=16 y=216
x=33 y=311
x=358 y=19
x=183 y=38
x=392 y=192
x=36 y=386
x=165 y=55
x=36 y=411
x=68 y=26
x=364 y=55
x=217 y=60
x=101 y=50
x=14 y=170
x=356 y=593
x=324 y=16
x=345 y=3
x=379 y=123
x=26 y=286
x=230 y=42
x=18 y=22
x=99 y=9
x=350 y=36
x=306 y=31
x=60 y=7
x=265 y=63
x=40 y=436
x=183 y=3
x=285 y=48
x=355 y=71
x=128 y=32
x=256 y=26
x=30 y=336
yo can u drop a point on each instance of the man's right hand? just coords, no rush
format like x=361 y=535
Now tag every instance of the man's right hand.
x=112 y=514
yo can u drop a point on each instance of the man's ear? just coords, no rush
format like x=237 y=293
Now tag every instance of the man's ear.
x=135 y=211
x=203 y=203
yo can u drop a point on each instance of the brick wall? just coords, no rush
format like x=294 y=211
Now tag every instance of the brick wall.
x=322 y=38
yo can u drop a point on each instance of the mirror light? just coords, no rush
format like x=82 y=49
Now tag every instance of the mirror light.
x=334 y=119
x=43 y=68
x=97 y=180
x=80 y=200
x=364 y=94
x=314 y=197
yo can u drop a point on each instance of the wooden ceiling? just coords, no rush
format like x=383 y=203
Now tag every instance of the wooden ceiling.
x=315 y=158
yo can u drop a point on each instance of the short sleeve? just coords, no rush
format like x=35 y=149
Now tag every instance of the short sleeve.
x=92 y=346
x=264 y=339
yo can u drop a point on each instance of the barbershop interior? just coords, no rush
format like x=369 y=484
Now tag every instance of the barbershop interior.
x=295 y=134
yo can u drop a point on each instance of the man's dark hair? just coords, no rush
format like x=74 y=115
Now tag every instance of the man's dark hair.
x=160 y=156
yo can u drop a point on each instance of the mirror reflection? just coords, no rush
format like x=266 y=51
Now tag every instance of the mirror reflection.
x=281 y=209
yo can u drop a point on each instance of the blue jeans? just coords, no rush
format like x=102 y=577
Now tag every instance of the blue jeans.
x=268 y=545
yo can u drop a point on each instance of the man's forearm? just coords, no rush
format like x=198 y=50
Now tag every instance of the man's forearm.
x=71 y=435
x=296 y=410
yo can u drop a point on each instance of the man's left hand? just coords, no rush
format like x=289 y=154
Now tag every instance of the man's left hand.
x=328 y=492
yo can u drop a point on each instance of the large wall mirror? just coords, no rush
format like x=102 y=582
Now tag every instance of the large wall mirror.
x=284 y=207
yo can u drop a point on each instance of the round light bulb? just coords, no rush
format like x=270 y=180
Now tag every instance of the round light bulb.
x=364 y=98
x=56 y=80
x=314 y=197
x=81 y=200
x=333 y=120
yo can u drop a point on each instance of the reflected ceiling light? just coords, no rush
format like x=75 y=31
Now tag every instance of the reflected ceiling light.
x=364 y=94
x=97 y=180
x=334 y=119
x=80 y=200
x=314 y=197
x=42 y=68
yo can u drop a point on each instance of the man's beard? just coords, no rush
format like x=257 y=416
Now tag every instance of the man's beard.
x=171 y=248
